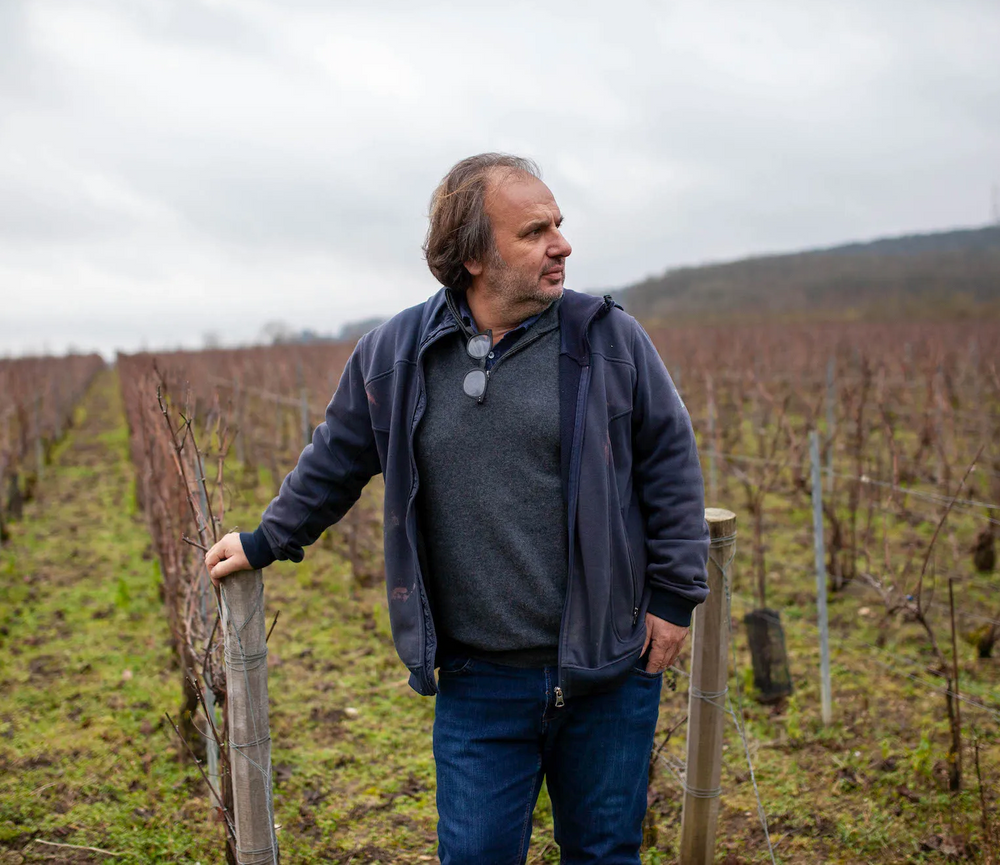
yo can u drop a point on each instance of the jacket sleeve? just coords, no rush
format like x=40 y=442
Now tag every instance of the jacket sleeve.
x=327 y=479
x=671 y=490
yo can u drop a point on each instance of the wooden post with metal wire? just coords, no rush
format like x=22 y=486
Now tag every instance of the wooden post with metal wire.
x=242 y=600
x=707 y=698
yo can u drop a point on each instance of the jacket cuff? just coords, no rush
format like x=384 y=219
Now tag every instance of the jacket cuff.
x=670 y=607
x=256 y=548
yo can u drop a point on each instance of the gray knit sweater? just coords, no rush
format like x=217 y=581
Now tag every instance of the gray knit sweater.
x=492 y=517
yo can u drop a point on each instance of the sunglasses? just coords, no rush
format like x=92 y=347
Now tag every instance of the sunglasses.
x=478 y=346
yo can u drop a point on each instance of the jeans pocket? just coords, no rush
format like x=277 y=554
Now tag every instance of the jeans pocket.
x=641 y=672
x=455 y=666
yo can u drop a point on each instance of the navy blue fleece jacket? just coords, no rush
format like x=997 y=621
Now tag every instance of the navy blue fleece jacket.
x=631 y=483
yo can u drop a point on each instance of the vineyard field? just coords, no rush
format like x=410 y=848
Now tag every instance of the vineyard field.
x=104 y=611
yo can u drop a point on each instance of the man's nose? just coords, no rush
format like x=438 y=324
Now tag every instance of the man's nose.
x=560 y=247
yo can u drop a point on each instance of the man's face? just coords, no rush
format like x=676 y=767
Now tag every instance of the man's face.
x=528 y=264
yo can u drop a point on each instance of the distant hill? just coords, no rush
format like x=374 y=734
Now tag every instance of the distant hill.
x=949 y=273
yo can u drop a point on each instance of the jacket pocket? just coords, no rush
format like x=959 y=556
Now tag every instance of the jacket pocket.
x=625 y=595
x=380 y=392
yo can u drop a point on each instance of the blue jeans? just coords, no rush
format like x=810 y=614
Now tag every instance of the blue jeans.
x=497 y=733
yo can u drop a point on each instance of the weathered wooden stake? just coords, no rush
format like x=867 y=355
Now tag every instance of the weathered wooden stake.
x=57 y=386
x=713 y=478
x=831 y=418
x=39 y=444
x=204 y=590
x=243 y=624
x=279 y=424
x=241 y=447
x=941 y=470
x=707 y=699
x=824 y=626
x=307 y=431
x=955 y=751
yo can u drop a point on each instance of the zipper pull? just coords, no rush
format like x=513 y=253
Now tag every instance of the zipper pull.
x=635 y=615
x=560 y=702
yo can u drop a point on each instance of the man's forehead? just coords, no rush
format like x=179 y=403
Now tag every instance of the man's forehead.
x=520 y=197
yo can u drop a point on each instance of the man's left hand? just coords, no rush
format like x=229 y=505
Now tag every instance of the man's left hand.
x=666 y=639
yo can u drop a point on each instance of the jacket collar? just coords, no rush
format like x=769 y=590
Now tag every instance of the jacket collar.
x=576 y=312
x=436 y=320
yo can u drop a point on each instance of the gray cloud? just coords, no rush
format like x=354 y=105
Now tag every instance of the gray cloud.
x=164 y=163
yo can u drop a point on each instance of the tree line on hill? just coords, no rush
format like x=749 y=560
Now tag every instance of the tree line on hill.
x=952 y=274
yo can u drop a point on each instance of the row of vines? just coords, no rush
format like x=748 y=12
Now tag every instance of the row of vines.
x=37 y=399
x=204 y=427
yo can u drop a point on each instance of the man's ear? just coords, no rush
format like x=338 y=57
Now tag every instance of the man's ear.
x=475 y=268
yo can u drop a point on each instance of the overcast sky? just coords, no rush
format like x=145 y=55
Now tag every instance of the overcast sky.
x=173 y=168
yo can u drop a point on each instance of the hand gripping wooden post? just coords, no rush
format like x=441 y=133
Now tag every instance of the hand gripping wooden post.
x=242 y=598
x=707 y=698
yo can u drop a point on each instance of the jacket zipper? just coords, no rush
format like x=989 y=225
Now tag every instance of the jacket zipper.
x=574 y=471
x=631 y=574
x=636 y=594
x=418 y=414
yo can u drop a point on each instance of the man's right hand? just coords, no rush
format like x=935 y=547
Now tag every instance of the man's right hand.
x=226 y=557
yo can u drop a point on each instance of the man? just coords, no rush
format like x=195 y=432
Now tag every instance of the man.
x=544 y=522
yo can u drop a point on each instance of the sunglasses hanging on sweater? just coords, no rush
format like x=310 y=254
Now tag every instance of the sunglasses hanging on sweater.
x=478 y=346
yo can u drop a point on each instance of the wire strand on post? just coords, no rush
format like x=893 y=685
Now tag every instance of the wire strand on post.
x=738 y=717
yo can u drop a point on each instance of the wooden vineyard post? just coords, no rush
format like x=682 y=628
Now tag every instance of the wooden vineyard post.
x=826 y=700
x=303 y=403
x=707 y=698
x=242 y=598
x=240 y=440
x=831 y=418
x=204 y=589
x=307 y=431
x=39 y=444
x=57 y=387
x=713 y=483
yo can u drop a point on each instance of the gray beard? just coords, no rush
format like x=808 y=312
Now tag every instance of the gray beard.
x=515 y=296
